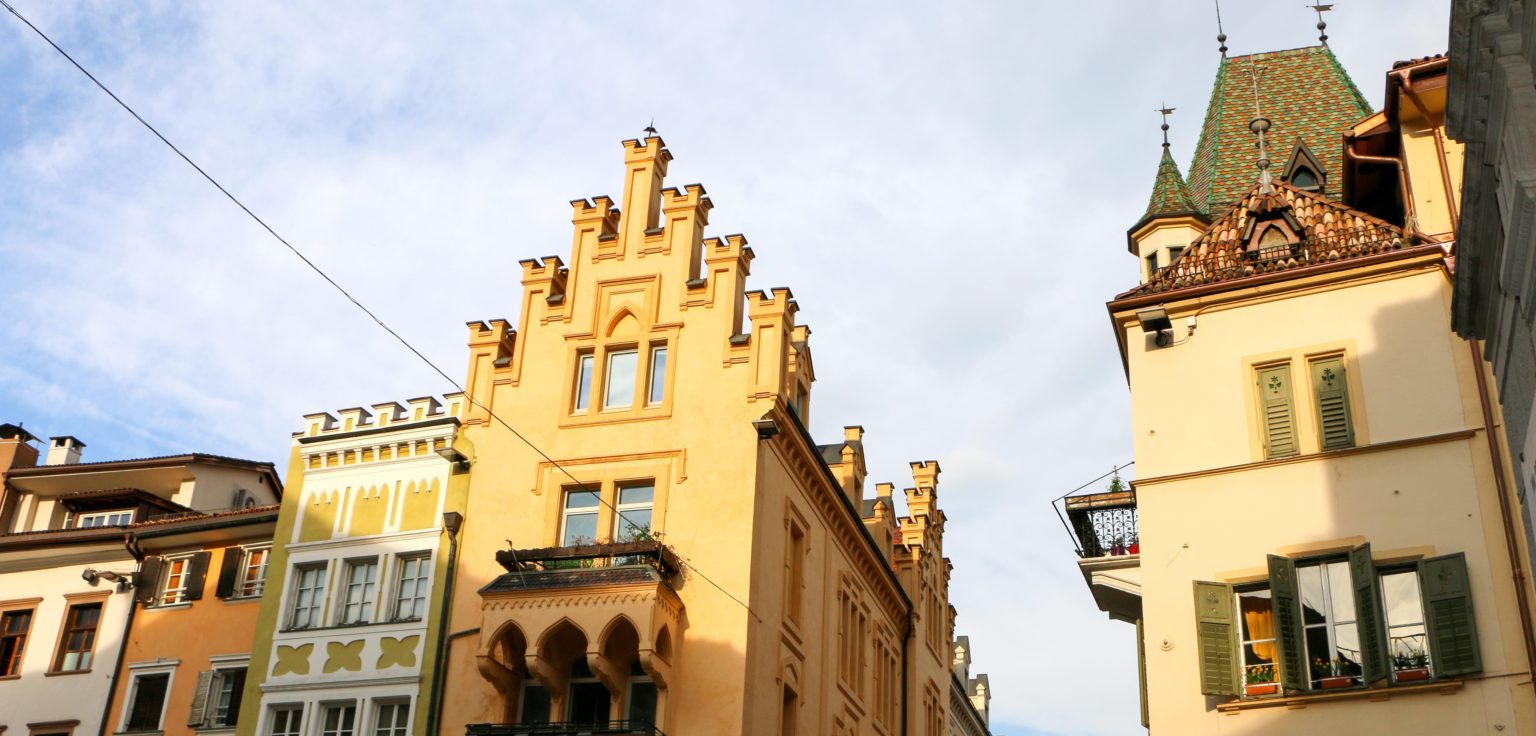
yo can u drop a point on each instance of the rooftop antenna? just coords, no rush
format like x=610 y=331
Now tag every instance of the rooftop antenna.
x=650 y=129
x=1221 y=35
x=1166 y=111
x=1322 y=25
x=1259 y=126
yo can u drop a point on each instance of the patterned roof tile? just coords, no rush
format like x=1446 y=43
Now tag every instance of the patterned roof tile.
x=1170 y=195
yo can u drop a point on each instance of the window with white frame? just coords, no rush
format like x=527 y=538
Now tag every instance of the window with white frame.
x=619 y=376
x=583 y=381
x=225 y=690
x=338 y=719
x=146 y=700
x=632 y=517
x=578 y=523
x=1407 y=637
x=1256 y=647
x=119 y=517
x=1328 y=620
x=287 y=720
x=412 y=584
x=361 y=582
x=308 y=596
x=658 y=376
x=173 y=581
x=253 y=572
x=392 y=718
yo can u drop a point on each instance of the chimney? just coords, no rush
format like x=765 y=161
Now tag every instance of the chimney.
x=64 y=450
x=16 y=450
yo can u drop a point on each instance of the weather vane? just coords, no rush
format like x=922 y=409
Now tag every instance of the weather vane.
x=1165 y=110
x=1322 y=25
x=650 y=128
x=1221 y=35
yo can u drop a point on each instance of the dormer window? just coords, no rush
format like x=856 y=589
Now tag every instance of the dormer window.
x=1304 y=178
x=120 y=517
x=1302 y=169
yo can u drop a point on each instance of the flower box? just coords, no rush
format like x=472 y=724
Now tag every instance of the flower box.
x=1260 y=689
x=1337 y=682
x=1416 y=674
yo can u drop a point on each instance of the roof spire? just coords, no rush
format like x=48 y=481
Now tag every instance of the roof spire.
x=1322 y=25
x=1221 y=35
x=1166 y=111
x=1260 y=125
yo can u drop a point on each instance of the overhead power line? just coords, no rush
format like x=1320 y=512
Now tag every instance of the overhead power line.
x=355 y=302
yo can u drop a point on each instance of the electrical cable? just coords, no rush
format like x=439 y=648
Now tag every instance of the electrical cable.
x=380 y=322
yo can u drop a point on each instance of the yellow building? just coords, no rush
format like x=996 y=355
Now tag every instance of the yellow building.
x=1321 y=537
x=678 y=554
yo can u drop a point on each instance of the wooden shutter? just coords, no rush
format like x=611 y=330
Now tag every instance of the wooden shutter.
x=1290 y=641
x=1216 y=638
x=229 y=572
x=1370 y=622
x=146 y=582
x=200 y=699
x=1448 y=614
x=197 y=574
x=1278 y=418
x=1336 y=428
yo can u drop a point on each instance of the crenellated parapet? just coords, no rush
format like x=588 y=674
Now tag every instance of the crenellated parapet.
x=390 y=431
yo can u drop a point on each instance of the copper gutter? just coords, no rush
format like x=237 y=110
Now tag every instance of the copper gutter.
x=1496 y=457
x=1404 y=80
x=1409 y=216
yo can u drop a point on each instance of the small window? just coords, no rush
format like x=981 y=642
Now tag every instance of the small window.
x=1304 y=178
x=632 y=518
x=338 y=720
x=146 y=701
x=1407 y=638
x=392 y=719
x=224 y=696
x=412 y=584
x=1173 y=254
x=362 y=582
x=122 y=517
x=583 y=381
x=794 y=571
x=14 y=627
x=640 y=706
x=1328 y=623
x=287 y=720
x=1152 y=263
x=1256 y=624
x=534 y=708
x=79 y=639
x=619 y=392
x=578 y=524
x=658 y=375
x=253 y=572
x=173 y=581
x=308 y=596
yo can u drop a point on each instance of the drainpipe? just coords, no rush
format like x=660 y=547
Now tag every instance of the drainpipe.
x=452 y=521
x=1404 y=81
x=1409 y=216
x=906 y=689
x=1496 y=458
x=122 y=648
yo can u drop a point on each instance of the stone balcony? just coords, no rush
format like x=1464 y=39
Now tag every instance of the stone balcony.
x=1104 y=533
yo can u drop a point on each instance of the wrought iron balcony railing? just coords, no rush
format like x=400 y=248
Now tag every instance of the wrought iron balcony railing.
x=589 y=556
x=1102 y=524
x=610 y=728
x=1233 y=259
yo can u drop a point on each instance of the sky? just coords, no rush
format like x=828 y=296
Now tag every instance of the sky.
x=944 y=186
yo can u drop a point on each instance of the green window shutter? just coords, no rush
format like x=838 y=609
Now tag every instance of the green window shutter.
x=200 y=699
x=1448 y=614
x=1216 y=638
x=1368 y=617
x=1289 y=639
x=1141 y=670
x=1279 y=418
x=1336 y=427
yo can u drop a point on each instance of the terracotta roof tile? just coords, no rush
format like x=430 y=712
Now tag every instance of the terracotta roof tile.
x=1329 y=232
x=1306 y=95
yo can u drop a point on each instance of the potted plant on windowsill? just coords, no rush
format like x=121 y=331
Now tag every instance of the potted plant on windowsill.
x=1333 y=675
x=1259 y=680
x=1134 y=547
x=1410 y=666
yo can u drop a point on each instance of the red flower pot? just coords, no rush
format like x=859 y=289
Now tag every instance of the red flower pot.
x=1414 y=675
x=1261 y=688
x=1337 y=683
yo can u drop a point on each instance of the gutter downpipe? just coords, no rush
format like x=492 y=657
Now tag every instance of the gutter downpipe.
x=1496 y=458
x=435 y=707
x=122 y=648
x=1404 y=80
x=906 y=690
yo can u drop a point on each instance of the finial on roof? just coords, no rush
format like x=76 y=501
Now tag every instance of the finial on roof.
x=1166 y=111
x=1259 y=126
x=650 y=129
x=1221 y=35
x=1322 y=25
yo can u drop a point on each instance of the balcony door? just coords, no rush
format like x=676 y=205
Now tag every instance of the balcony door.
x=589 y=702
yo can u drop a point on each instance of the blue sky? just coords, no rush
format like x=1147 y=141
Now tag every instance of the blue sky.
x=945 y=186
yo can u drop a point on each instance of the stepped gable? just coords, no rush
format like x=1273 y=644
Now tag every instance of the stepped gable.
x=1306 y=95
x=1285 y=229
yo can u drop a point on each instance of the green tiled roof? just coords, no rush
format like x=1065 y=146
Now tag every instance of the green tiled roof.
x=1306 y=95
x=1169 y=194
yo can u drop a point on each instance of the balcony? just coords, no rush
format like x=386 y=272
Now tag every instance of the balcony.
x=1105 y=537
x=626 y=728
